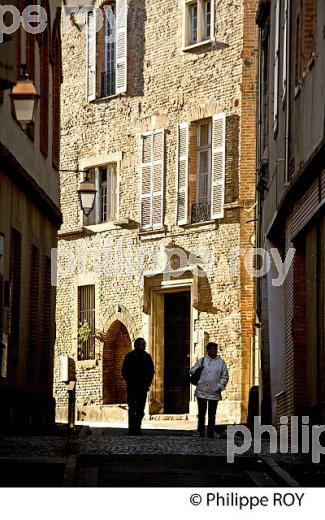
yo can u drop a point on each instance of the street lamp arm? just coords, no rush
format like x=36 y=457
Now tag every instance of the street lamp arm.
x=86 y=192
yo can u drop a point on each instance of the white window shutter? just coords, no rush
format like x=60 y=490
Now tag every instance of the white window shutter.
x=158 y=178
x=182 y=173
x=218 y=165
x=121 y=45
x=146 y=181
x=91 y=55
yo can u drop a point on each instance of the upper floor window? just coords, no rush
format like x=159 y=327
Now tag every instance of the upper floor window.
x=198 y=21
x=203 y=185
x=106 y=203
x=207 y=20
x=193 y=9
x=108 y=80
x=201 y=150
x=106 y=50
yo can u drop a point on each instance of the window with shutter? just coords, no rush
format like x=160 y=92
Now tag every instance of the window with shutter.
x=182 y=173
x=152 y=179
x=198 y=22
x=107 y=50
x=201 y=170
x=218 y=165
x=106 y=202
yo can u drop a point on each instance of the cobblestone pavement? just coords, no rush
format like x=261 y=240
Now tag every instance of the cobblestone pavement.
x=107 y=441
x=102 y=447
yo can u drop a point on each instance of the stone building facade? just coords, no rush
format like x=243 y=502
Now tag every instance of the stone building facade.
x=29 y=221
x=162 y=119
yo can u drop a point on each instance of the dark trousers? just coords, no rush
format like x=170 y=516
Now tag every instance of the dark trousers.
x=136 y=404
x=203 y=404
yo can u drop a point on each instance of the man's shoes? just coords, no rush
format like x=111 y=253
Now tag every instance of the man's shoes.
x=210 y=436
x=201 y=434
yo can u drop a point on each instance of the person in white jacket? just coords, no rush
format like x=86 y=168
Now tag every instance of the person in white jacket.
x=214 y=378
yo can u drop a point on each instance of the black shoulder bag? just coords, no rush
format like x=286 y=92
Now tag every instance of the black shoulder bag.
x=195 y=377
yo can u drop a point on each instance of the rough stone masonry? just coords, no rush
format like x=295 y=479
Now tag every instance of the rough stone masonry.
x=168 y=82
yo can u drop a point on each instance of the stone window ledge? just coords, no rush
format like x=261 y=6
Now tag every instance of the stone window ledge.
x=87 y=363
x=99 y=228
x=106 y=98
x=147 y=234
x=191 y=225
x=197 y=45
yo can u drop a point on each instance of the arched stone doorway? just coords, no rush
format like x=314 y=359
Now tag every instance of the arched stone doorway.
x=116 y=345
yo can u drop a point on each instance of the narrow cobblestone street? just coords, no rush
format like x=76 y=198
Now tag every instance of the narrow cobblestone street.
x=161 y=457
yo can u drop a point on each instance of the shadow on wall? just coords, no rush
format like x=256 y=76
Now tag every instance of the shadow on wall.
x=232 y=159
x=136 y=47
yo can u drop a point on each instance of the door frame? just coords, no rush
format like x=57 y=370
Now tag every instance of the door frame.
x=156 y=338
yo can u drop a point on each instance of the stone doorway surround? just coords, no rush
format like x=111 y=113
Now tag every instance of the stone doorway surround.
x=155 y=288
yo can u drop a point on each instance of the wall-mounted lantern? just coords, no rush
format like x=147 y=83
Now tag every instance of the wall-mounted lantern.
x=87 y=195
x=24 y=98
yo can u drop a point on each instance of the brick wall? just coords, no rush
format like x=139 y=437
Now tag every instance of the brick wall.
x=117 y=345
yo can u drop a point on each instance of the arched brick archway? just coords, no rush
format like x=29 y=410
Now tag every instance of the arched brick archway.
x=117 y=343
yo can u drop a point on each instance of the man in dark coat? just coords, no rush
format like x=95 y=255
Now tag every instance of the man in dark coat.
x=138 y=372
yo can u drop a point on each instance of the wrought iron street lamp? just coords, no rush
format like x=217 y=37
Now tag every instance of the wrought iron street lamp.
x=24 y=98
x=87 y=195
x=87 y=192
